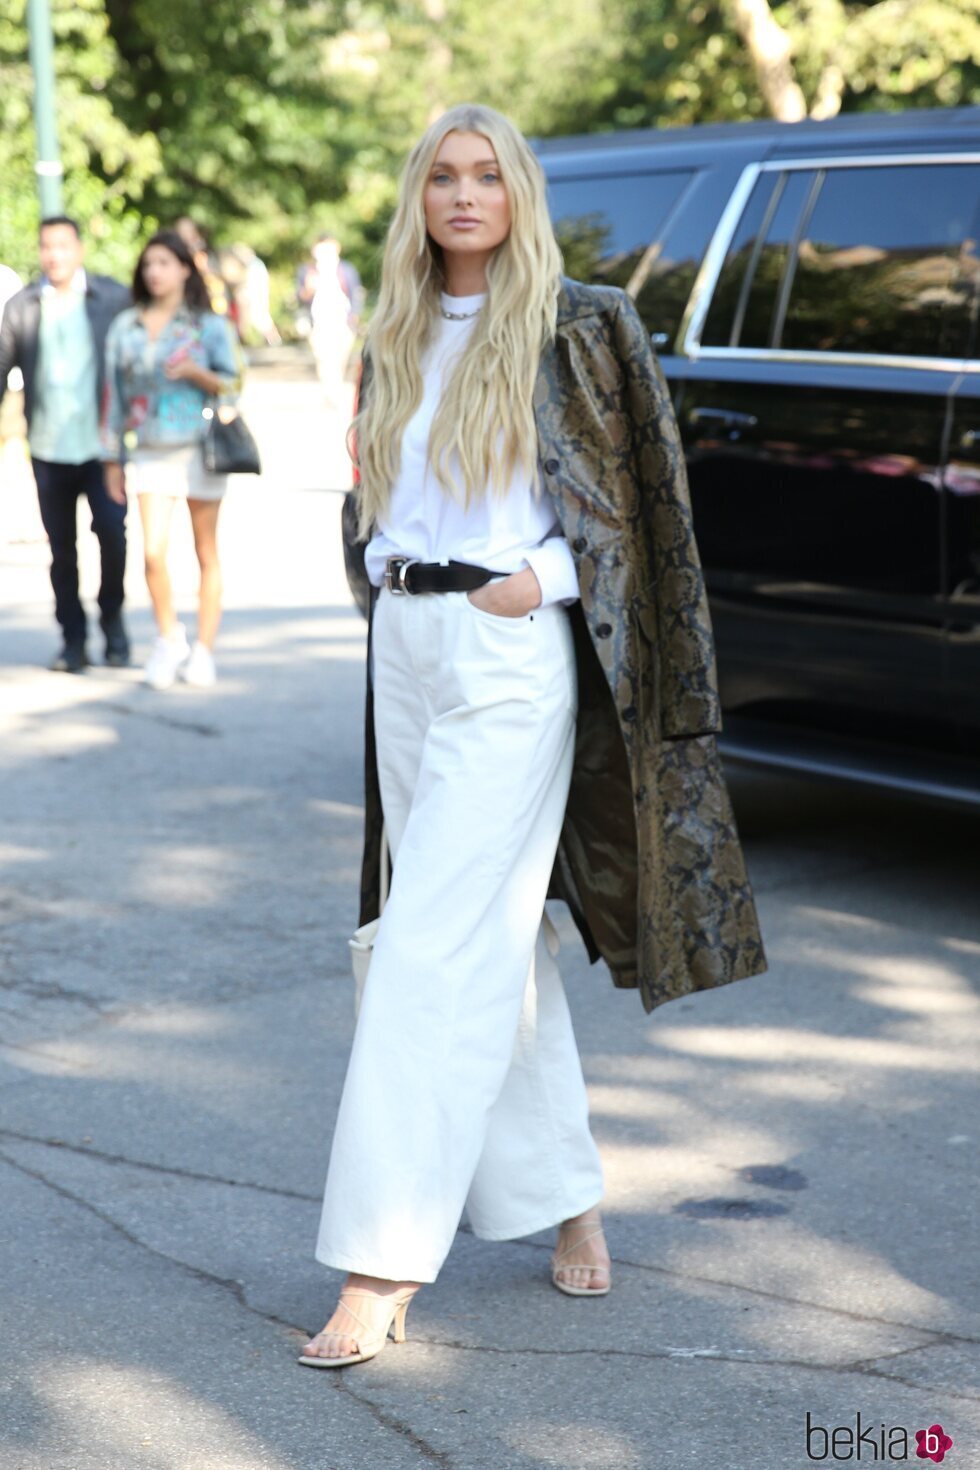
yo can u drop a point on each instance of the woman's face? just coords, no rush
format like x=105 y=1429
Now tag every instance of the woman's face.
x=163 y=274
x=467 y=210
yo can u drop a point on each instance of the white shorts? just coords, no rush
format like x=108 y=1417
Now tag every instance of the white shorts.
x=179 y=472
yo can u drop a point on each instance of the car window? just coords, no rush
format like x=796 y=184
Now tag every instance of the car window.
x=749 y=232
x=609 y=231
x=744 y=301
x=883 y=265
x=686 y=235
x=968 y=285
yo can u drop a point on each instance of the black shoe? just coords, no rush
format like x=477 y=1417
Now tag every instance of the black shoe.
x=71 y=660
x=116 y=643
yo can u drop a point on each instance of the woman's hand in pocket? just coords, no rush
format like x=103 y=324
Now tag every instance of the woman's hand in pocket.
x=509 y=597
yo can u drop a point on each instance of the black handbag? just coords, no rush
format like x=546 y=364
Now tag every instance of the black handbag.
x=228 y=447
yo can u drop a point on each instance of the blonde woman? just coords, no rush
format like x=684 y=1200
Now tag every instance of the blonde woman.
x=541 y=716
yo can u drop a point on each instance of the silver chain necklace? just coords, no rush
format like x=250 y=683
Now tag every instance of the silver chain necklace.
x=460 y=316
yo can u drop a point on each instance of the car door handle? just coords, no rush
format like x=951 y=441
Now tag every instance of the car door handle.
x=722 y=418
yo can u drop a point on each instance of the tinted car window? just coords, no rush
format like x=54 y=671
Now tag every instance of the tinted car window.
x=968 y=283
x=674 y=268
x=744 y=301
x=739 y=261
x=609 y=228
x=760 y=304
x=880 y=267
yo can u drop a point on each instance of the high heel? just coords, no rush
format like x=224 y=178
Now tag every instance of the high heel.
x=373 y=1341
x=558 y=1257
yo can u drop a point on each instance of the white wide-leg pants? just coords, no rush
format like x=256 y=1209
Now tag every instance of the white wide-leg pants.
x=464 y=1087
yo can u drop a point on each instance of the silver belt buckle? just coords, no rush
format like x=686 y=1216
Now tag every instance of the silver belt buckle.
x=395 y=569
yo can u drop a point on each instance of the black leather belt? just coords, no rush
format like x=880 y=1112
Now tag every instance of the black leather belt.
x=405 y=576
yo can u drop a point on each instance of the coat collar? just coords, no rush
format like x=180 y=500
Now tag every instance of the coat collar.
x=575 y=300
x=94 y=285
x=78 y=287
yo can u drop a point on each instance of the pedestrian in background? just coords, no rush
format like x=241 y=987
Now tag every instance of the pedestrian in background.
x=220 y=293
x=167 y=359
x=10 y=284
x=541 y=670
x=54 y=330
x=247 y=277
x=332 y=288
x=11 y=418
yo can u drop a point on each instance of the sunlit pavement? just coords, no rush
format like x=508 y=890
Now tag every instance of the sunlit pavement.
x=791 y=1160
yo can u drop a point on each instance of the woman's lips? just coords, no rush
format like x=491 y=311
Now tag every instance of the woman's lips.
x=464 y=224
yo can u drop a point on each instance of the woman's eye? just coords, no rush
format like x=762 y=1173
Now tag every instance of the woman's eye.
x=491 y=177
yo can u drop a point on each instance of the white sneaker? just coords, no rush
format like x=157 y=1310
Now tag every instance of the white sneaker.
x=166 y=658
x=199 y=669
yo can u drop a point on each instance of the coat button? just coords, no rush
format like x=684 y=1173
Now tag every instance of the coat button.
x=629 y=713
x=580 y=544
x=551 y=466
x=603 y=630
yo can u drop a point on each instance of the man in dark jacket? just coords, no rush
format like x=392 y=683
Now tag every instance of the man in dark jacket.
x=54 y=331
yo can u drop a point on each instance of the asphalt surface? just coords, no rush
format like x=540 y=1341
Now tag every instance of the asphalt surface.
x=791 y=1160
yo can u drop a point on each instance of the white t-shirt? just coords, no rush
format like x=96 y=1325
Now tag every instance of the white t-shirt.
x=504 y=533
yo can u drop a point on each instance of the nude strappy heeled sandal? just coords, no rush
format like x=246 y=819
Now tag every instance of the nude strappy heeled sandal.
x=558 y=1257
x=373 y=1341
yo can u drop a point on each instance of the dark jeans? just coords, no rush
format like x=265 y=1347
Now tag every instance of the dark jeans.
x=58 y=489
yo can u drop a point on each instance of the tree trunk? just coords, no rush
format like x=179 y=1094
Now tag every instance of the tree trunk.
x=829 y=92
x=769 y=47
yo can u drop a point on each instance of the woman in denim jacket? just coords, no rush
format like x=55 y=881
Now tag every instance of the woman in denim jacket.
x=166 y=358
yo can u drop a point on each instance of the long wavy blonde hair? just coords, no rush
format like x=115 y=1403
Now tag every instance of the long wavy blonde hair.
x=484 y=425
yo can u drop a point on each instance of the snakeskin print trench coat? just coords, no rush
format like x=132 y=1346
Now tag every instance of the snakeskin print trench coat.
x=649 y=860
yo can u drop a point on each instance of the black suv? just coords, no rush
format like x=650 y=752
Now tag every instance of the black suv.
x=813 y=293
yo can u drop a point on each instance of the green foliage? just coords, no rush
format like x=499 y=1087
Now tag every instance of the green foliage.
x=239 y=98
x=681 y=61
x=269 y=121
x=541 y=63
x=924 y=54
x=107 y=165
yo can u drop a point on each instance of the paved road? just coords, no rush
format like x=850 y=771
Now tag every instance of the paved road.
x=791 y=1161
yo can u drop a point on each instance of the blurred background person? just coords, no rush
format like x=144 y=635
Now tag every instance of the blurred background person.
x=55 y=330
x=248 y=279
x=220 y=294
x=10 y=284
x=331 y=289
x=305 y=291
x=166 y=358
x=351 y=283
x=12 y=426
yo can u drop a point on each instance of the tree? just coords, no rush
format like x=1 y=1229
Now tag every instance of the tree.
x=240 y=101
x=269 y=121
x=686 y=61
x=770 y=50
x=107 y=164
x=402 y=63
x=886 y=55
